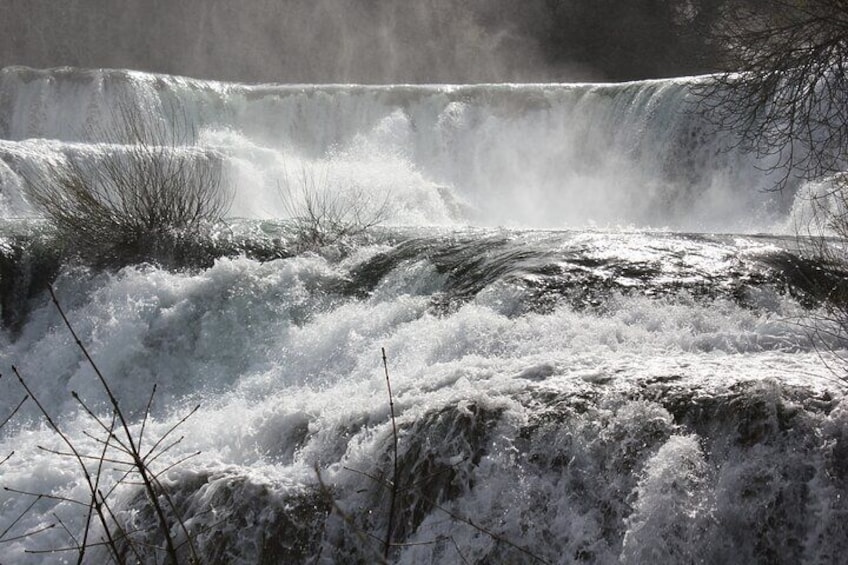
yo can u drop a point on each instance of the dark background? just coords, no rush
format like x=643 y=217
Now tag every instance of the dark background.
x=369 y=41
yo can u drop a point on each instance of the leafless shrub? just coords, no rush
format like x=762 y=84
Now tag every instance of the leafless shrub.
x=321 y=215
x=140 y=200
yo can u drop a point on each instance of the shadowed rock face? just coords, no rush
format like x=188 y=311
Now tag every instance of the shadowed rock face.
x=614 y=472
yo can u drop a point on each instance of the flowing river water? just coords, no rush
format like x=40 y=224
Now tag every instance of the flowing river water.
x=596 y=348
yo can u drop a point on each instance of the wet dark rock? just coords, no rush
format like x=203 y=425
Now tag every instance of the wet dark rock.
x=436 y=461
x=27 y=266
x=232 y=518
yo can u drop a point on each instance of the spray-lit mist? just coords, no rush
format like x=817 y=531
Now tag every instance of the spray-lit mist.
x=366 y=41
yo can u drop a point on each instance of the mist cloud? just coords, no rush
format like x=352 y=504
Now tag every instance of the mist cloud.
x=364 y=41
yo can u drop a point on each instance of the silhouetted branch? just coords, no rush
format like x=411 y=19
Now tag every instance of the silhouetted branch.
x=395 y=474
x=785 y=94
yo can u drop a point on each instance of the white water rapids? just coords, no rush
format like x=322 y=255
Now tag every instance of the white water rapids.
x=574 y=369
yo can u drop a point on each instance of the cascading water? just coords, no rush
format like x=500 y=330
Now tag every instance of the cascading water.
x=586 y=367
x=551 y=156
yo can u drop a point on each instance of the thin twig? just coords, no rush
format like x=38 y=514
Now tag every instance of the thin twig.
x=346 y=517
x=170 y=431
x=45 y=496
x=390 y=527
x=67 y=531
x=146 y=416
x=29 y=533
x=164 y=450
x=161 y=472
x=109 y=430
x=123 y=533
x=15 y=411
x=458 y=552
x=83 y=456
x=18 y=519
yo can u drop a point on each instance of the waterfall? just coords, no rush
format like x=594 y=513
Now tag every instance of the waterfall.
x=605 y=343
x=521 y=155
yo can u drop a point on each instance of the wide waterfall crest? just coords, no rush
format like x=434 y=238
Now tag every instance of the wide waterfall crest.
x=534 y=155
